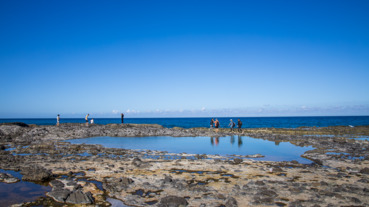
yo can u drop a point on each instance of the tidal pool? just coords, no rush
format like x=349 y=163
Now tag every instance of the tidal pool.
x=362 y=138
x=21 y=191
x=225 y=146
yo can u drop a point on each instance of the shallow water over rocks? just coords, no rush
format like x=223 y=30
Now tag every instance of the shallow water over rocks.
x=21 y=191
x=224 y=146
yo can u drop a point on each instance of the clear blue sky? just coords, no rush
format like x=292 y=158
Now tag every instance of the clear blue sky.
x=183 y=58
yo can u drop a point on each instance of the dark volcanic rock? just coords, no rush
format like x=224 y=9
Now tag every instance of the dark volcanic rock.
x=69 y=192
x=59 y=194
x=136 y=161
x=262 y=200
x=7 y=178
x=126 y=181
x=318 y=162
x=180 y=185
x=21 y=124
x=237 y=160
x=268 y=193
x=365 y=171
x=117 y=184
x=79 y=197
x=167 y=179
x=231 y=202
x=37 y=174
x=259 y=182
x=57 y=184
x=173 y=201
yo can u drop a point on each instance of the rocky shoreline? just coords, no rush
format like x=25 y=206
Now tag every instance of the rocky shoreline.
x=338 y=176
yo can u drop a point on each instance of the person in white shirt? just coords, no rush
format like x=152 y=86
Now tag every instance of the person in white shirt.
x=57 y=120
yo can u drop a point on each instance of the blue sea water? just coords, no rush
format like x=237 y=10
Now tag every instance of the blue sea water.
x=248 y=122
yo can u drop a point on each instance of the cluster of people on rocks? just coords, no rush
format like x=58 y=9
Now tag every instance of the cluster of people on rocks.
x=92 y=121
x=215 y=124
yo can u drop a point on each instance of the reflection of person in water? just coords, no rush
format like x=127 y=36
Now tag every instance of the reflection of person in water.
x=239 y=141
x=216 y=141
x=232 y=139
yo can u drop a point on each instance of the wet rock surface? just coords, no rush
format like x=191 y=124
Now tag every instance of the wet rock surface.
x=89 y=174
x=36 y=173
x=7 y=178
x=173 y=201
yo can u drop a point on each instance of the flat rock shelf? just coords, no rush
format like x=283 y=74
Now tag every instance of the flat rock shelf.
x=90 y=174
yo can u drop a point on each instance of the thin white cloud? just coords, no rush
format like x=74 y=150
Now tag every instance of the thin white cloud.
x=264 y=110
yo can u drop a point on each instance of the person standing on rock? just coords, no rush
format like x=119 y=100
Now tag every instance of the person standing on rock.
x=122 y=117
x=211 y=123
x=57 y=120
x=216 y=124
x=86 y=119
x=239 y=125
x=231 y=124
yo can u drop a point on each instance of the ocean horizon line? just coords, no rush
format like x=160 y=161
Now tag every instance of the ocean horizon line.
x=118 y=117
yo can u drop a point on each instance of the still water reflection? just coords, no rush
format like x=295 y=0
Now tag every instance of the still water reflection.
x=21 y=191
x=230 y=145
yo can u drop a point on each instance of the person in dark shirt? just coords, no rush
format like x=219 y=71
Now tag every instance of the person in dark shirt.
x=239 y=125
x=211 y=123
x=122 y=117
x=86 y=119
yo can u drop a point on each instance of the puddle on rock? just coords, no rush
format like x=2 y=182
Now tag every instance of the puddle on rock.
x=98 y=184
x=21 y=191
x=116 y=202
x=280 y=204
x=151 y=202
x=362 y=138
x=179 y=171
